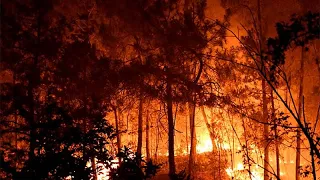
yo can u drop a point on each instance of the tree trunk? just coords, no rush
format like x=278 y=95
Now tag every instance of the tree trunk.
x=264 y=99
x=117 y=128
x=140 y=122
x=157 y=135
x=246 y=152
x=298 y=150
x=266 y=164
x=317 y=58
x=172 y=168
x=147 y=138
x=85 y=121
x=193 y=139
x=209 y=127
x=187 y=136
x=276 y=136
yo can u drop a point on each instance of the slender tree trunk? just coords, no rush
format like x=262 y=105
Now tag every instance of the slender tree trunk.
x=117 y=128
x=298 y=150
x=314 y=174
x=193 y=138
x=187 y=14
x=157 y=134
x=157 y=138
x=187 y=136
x=209 y=127
x=265 y=131
x=85 y=120
x=276 y=136
x=172 y=168
x=277 y=158
x=147 y=137
x=219 y=163
x=140 y=122
x=233 y=145
x=317 y=59
x=264 y=98
x=246 y=155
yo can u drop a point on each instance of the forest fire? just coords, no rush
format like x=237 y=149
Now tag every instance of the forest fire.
x=205 y=145
x=160 y=89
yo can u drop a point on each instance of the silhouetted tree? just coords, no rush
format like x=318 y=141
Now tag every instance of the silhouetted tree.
x=61 y=147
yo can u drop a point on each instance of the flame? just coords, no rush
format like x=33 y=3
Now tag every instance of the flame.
x=204 y=146
x=239 y=173
x=103 y=173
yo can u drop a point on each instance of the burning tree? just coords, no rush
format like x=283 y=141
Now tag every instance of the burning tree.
x=269 y=63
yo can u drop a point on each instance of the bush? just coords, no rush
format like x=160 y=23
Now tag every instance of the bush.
x=133 y=166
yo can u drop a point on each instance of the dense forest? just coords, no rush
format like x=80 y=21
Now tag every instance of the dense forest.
x=160 y=89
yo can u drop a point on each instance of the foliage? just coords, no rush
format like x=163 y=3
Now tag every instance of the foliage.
x=62 y=149
x=299 y=32
x=182 y=175
x=130 y=167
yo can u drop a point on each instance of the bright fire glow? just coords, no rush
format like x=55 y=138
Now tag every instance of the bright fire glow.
x=103 y=171
x=204 y=146
x=240 y=172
